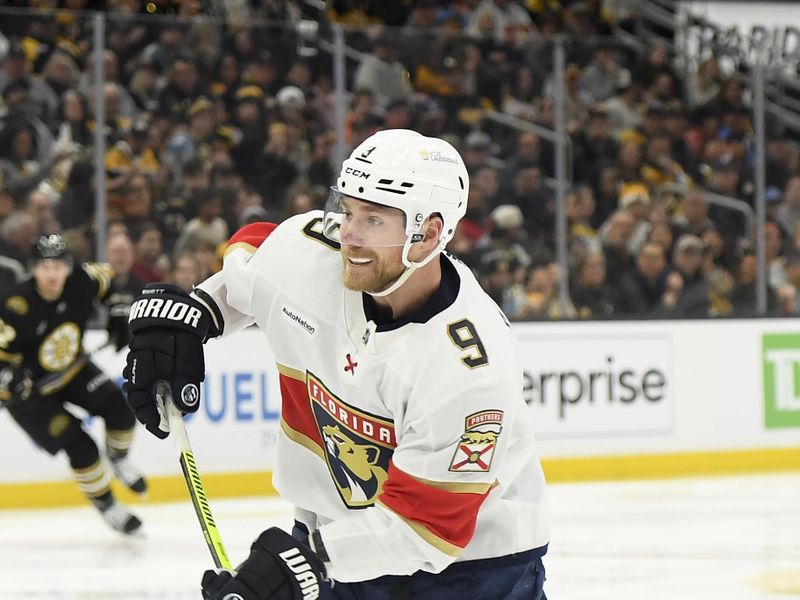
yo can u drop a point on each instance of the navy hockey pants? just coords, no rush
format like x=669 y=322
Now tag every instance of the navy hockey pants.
x=514 y=577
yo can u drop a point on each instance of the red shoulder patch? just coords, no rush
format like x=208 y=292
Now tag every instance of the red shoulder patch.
x=251 y=235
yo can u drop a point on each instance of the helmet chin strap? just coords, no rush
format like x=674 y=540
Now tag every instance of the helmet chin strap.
x=397 y=282
x=410 y=268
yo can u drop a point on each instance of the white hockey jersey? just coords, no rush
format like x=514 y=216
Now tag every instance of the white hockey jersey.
x=407 y=444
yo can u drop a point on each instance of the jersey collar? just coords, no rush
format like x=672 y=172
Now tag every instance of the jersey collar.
x=441 y=299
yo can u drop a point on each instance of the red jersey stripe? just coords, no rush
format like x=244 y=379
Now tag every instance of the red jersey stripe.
x=296 y=408
x=253 y=234
x=449 y=516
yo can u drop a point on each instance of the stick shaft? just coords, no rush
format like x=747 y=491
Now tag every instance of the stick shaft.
x=195 y=486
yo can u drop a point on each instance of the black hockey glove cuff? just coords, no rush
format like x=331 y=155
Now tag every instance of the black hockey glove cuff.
x=163 y=305
x=117 y=326
x=168 y=328
x=278 y=568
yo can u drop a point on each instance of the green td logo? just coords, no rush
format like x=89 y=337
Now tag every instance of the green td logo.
x=781 y=359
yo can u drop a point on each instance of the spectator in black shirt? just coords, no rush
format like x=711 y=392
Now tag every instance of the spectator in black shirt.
x=183 y=86
x=595 y=145
x=536 y=203
x=592 y=296
x=648 y=284
x=616 y=247
x=693 y=216
x=743 y=296
x=606 y=194
x=724 y=180
x=688 y=261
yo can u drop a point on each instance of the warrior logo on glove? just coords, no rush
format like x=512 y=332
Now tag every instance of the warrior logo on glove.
x=303 y=573
x=278 y=568
x=166 y=309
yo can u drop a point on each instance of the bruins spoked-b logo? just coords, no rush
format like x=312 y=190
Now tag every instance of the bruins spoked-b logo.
x=357 y=445
x=60 y=348
x=475 y=449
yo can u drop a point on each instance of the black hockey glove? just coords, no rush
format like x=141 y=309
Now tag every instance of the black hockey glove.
x=278 y=568
x=168 y=329
x=16 y=386
x=117 y=326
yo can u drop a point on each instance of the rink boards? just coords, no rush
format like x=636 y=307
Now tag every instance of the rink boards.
x=616 y=400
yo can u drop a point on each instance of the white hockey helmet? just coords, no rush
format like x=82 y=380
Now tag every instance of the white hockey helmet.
x=406 y=170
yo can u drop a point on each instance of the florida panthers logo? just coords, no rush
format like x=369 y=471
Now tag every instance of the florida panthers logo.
x=475 y=449
x=356 y=466
x=357 y=445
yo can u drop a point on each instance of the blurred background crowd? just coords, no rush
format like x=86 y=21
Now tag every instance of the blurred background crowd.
x=218 y=114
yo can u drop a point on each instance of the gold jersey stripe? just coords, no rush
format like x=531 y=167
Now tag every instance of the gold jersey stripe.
x=291 y=373
x=302 y=439
x=102 y=273
x=458 y=487
x=63 y=379
x=15 y=359
x=249 y=248
x=426 y=534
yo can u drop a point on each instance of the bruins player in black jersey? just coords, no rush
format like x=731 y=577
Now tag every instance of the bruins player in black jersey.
x=42 y=365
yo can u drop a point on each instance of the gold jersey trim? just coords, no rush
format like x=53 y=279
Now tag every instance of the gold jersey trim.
x=457 y=487
x=15 y=359
x=291 y=373
x=57 y=383
x=434 y=540
x=302 y=439
x=102 y=273
x=18 y=305
x=249 y=248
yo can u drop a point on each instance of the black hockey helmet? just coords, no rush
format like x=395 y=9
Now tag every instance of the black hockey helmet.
x=49 y=247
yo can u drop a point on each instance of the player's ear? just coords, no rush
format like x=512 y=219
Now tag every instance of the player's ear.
x=433 y=230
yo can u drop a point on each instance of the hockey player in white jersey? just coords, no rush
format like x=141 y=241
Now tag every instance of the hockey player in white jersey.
x=405 y=444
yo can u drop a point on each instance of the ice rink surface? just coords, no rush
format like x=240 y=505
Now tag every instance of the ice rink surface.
x=734 y=538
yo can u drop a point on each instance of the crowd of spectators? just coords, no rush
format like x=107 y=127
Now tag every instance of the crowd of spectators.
x=218 y=114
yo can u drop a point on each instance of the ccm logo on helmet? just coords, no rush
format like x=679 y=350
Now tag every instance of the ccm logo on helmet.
x=165 y=309
x=356 y=173
x=303 y=573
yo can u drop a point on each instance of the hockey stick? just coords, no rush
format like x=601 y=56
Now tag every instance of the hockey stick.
x=47 y=384
x=192 y=477
x=51 y=382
